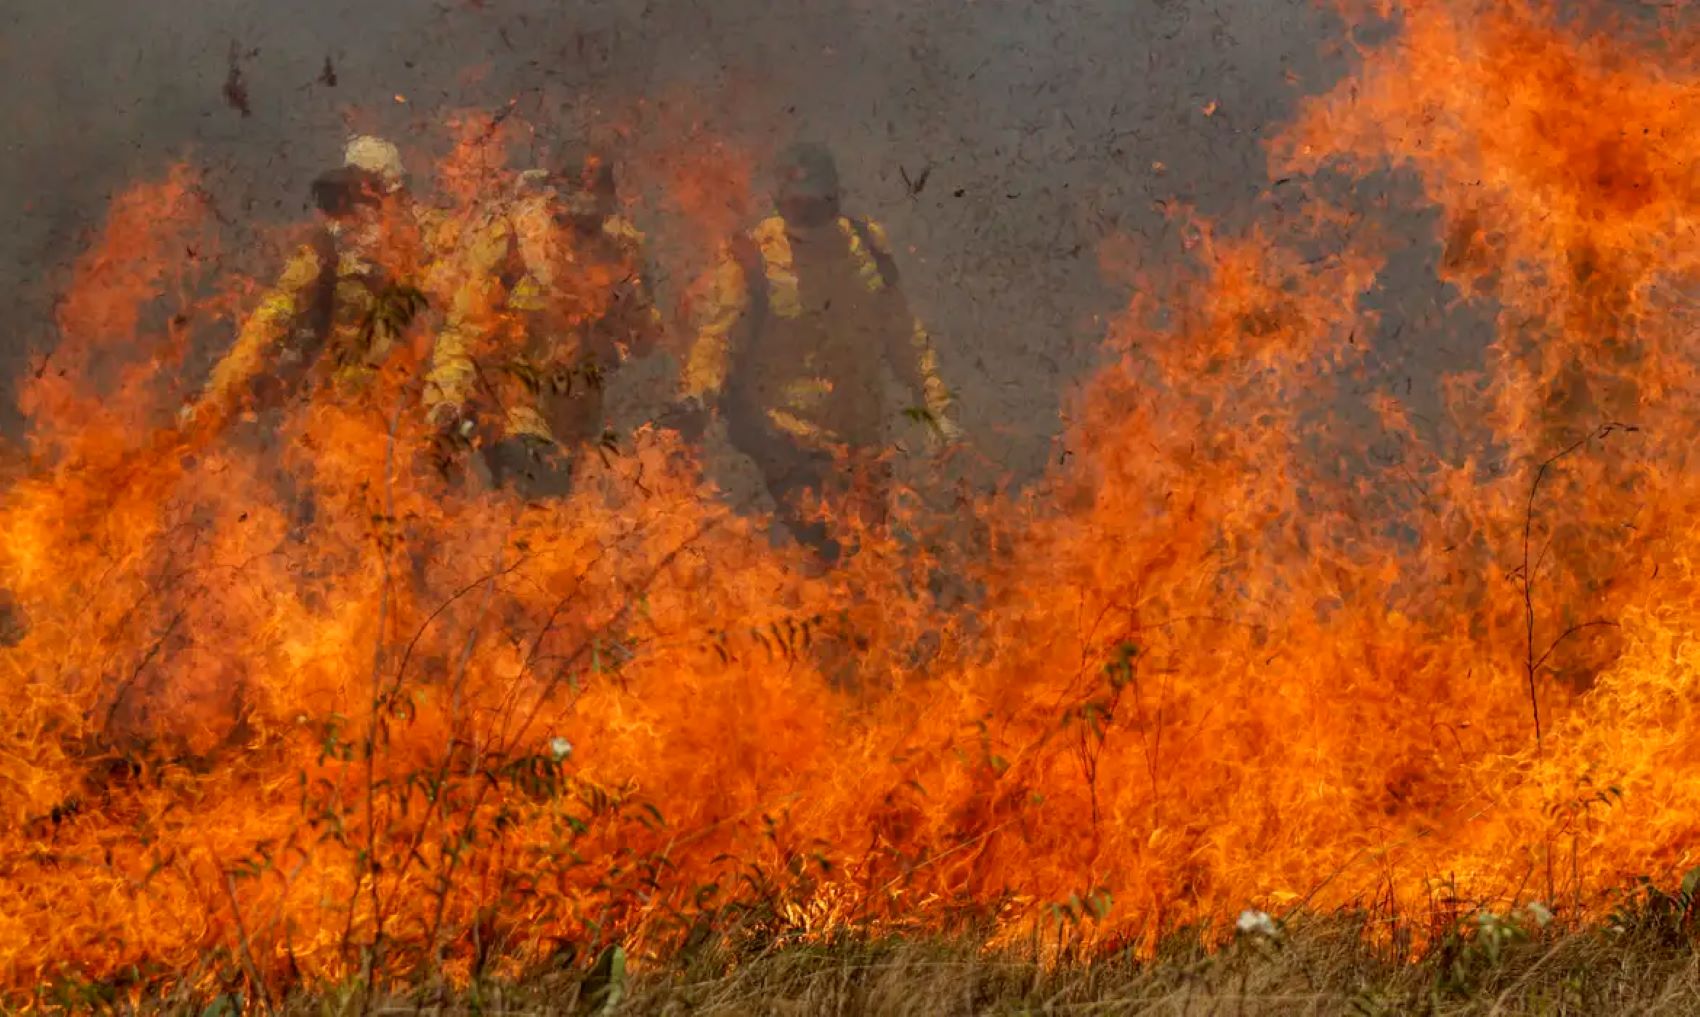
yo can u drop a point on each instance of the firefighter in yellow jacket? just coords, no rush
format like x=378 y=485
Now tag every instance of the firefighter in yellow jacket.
x=805 y=313
x=343 y=296
x=551 y=300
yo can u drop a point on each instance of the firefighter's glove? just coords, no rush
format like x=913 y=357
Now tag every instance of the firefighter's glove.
x=452 y=426
x=451 y=435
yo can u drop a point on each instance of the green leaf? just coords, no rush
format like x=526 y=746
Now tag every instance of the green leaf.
x=1100 y=902
x=605 y=986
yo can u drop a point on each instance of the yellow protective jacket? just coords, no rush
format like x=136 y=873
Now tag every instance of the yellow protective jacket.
x=319 y=318
x=537 y=319
x=797 y=326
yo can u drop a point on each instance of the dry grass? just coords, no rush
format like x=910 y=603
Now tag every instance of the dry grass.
x=1320 y=971
x=1638 y=963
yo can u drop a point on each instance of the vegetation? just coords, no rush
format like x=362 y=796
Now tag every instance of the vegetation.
x=1638 y=960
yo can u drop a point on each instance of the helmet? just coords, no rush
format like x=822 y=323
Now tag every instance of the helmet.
x=533 y=181
x=807 y=186
x=375 y=155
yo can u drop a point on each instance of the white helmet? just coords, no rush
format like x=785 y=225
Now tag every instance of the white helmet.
x=533 y=181
x=375 y=155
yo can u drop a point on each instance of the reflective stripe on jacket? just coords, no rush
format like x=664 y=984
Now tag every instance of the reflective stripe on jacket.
x=320 y=310
x=530 y=343
x=799 y=387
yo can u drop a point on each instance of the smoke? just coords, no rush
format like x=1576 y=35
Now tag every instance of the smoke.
x=1042 y=131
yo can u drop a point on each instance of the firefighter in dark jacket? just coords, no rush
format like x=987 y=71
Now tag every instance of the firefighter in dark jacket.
x=552 y=301
x=805 y=314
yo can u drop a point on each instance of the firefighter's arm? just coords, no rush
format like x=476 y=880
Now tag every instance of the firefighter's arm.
x=709 y=357
x=931 y=388
x=263 y=330
x=451 y=376
x=911 y=351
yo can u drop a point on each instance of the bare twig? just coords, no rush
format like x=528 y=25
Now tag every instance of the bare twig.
x=1532 y=662
x=242 y=940
x=136 y=672
x=385 y=548
x=485 y=581
x=584 y=647
x=1572 y=630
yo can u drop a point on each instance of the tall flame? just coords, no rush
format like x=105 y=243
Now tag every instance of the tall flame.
x=1199 y=665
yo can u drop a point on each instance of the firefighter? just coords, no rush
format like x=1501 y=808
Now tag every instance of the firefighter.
x=334 y=316
x=341 y=299
x=552 y=301
x=805 y=310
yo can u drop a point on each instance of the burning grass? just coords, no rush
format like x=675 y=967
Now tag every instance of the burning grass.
x=289 y=713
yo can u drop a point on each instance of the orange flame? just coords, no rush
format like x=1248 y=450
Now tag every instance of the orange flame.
x=1196 y=670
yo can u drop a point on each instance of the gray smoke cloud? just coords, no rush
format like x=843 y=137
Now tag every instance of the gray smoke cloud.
x=1043 y=127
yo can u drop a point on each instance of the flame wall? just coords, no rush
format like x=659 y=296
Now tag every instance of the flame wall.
x=1200 y=665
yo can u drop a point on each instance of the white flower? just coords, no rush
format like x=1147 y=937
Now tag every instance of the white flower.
x=560 y=748
x=1255 y=923
x=1539 y=913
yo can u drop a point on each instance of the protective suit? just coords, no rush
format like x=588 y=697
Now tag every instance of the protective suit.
x=805 y=314
x=334 y=313
x=551 y=300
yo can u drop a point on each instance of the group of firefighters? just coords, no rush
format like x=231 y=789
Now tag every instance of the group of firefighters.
x=543 y=295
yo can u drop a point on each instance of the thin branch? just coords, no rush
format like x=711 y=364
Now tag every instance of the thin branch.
x=385 y=549
x=1532 y=663
x=136 y=673
x=242 y=940
x=446 y=878
x=413 y=643
x=1572 y=630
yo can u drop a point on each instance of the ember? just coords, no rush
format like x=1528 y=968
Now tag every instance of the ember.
x=307 y=682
